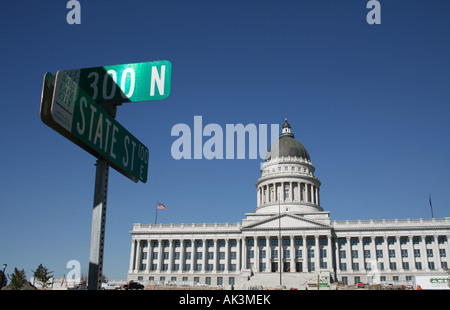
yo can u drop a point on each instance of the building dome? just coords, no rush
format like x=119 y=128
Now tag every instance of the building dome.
x=287 y=178
x=287 y=145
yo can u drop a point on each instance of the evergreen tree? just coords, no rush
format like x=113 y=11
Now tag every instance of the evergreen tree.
x=18 y=279
x=43 y=275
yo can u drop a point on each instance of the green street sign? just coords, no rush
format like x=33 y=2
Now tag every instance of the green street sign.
x=87 y=124
x=126 y=83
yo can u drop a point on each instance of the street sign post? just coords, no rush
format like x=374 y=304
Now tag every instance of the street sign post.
x=73 y=105
x=74 y=111
x=135 y=82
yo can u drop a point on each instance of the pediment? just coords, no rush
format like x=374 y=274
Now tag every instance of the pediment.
x=287 y=221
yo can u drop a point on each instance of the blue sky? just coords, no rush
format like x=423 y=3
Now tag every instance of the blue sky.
x=369 y=102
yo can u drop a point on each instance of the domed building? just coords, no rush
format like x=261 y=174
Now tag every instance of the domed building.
x=289 y=239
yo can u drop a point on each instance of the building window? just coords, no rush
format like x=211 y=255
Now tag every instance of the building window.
x=392 y=253
x=298 y=241
x=354 y=254
x=404 y=253
x=286 y=242
x=366 y=253
x=442 y=253
x=233 y=243
x=343 y=266
x=431 y=265
x=429 y=253
x=286 y=253
x=342 y=254
x=262 y=242
x=416 y=253
x=298 y=253
x=418 y=265
x=355 y=266
x=262 y=254
x=219 y=281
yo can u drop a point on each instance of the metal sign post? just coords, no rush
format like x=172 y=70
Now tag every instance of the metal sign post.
x=98 y=225
x=99 y=212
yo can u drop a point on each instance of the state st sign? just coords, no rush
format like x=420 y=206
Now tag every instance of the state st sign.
x=78 y=114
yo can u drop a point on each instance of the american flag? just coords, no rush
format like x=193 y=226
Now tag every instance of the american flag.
x=160 y=206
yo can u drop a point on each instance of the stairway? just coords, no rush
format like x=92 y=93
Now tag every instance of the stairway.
x=270 y=280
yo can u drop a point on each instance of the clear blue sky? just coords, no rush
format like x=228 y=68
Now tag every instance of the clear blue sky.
x=369 y=102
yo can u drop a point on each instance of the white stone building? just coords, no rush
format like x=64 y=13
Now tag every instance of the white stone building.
x=289 y=226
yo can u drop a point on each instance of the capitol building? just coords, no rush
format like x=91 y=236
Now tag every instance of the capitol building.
x=289 y=239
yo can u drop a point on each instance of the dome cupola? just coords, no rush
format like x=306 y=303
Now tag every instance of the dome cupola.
x=287 y=177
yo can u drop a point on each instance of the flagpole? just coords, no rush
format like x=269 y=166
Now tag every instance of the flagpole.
x=431 y=206
x=156 y=212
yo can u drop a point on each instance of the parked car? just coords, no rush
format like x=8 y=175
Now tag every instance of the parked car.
x=108 y=286
x=133 y=286
x=360 y=285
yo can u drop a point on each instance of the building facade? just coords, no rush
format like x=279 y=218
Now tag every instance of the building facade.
x=289 y=239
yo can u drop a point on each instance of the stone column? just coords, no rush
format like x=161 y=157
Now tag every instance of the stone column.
x=227 y=255
x=361 y=253
x=411 y=256
x=205 y=256
x=398 y=253
x=317 y=252
x=138 y=256
x=438 y=256
x=160 y=256
x=424 y=252
x=387 y=265
x=182 y=255
x=132 y=256
x=292 y=250
x=193 y=256
x=268 y=255
x=149 y=255
x=305 y=253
